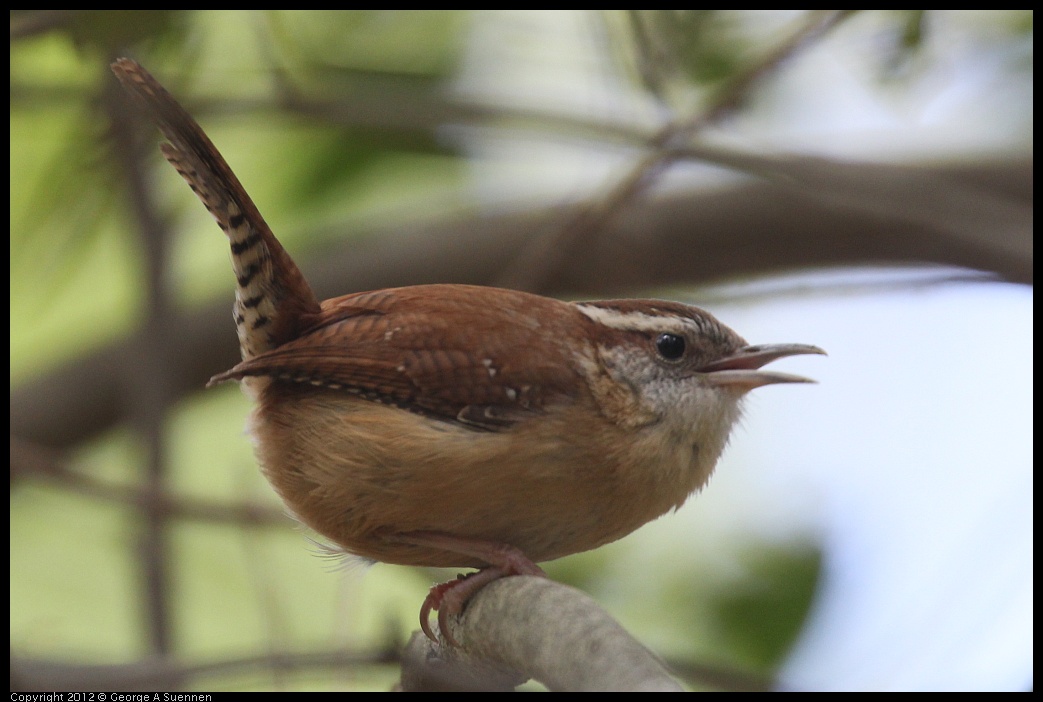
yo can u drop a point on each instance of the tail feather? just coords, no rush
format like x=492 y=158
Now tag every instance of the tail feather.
x=272 y=299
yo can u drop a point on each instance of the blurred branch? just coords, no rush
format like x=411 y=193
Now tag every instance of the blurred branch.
x=692 y=238
x=167 y=673
x=383 y=107
x=30 y=23
x=965 y=213
x=815 y=25
x=546 y=255
x=36 y=463
x=148 y=390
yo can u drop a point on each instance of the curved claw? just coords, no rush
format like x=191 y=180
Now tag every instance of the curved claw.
x=425 y=615
x=433 y=601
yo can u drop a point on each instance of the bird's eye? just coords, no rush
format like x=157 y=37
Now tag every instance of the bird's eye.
x=670 y=346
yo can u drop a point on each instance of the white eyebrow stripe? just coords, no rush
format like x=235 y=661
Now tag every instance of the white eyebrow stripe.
x=635 y=321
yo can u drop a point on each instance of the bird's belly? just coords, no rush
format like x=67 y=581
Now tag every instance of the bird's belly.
x=359 y=473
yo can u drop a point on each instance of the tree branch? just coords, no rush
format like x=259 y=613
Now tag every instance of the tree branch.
x=544 y=630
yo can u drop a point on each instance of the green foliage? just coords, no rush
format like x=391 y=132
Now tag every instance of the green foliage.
x=760 y=616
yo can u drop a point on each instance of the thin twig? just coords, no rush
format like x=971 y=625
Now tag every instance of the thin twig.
x=30 y=462
x=548 y=252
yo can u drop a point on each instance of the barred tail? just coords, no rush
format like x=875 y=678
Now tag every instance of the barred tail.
x=272 y=298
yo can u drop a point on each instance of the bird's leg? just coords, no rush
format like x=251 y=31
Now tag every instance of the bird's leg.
x=450 y=597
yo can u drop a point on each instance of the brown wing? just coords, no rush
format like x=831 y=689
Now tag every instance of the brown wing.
x=482 y=356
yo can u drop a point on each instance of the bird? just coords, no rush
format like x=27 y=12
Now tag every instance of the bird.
x=464 y=426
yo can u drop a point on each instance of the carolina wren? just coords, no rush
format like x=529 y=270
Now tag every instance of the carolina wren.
x=463 y=426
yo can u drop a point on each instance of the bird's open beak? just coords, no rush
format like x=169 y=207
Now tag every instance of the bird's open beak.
x=742 y=369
